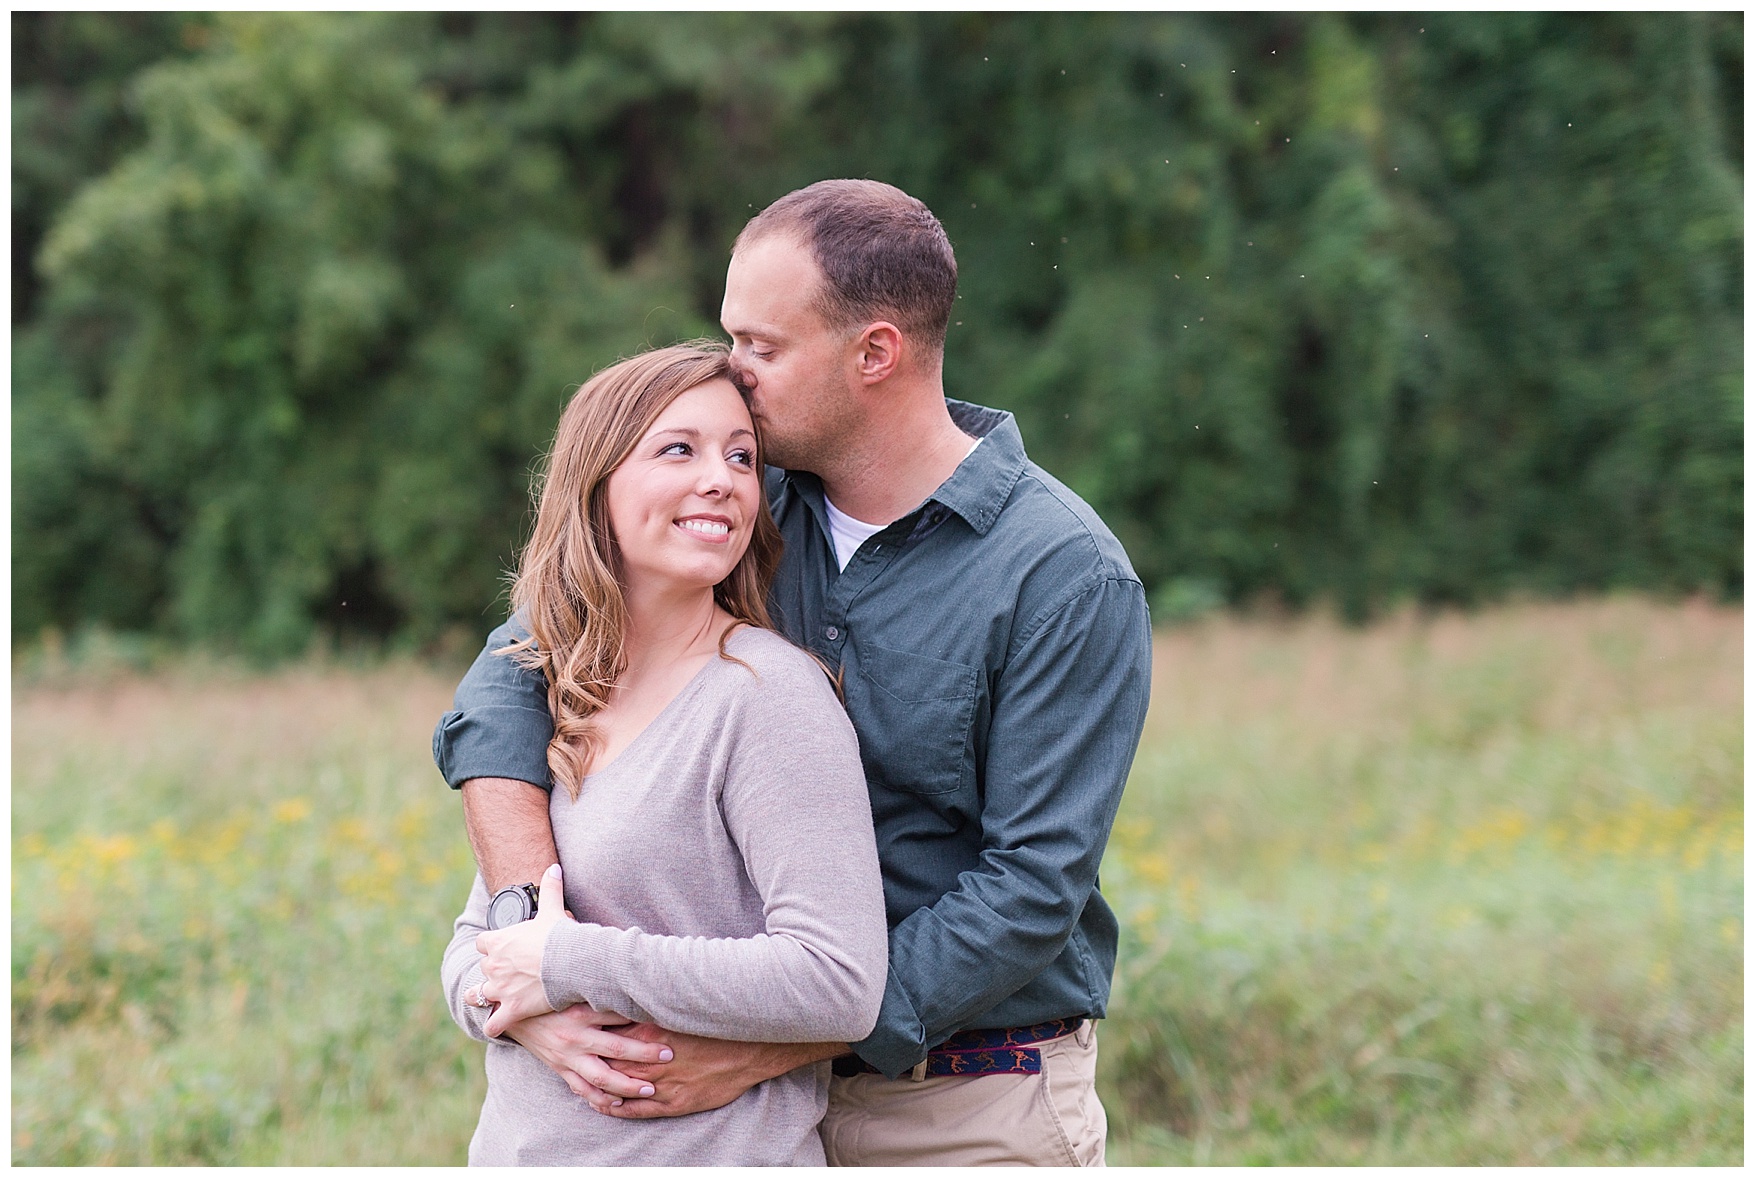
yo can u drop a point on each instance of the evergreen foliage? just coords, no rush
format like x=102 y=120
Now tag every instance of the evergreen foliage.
x=1363 y=308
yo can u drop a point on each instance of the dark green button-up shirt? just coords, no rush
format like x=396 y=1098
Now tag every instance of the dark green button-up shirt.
x=996 y=658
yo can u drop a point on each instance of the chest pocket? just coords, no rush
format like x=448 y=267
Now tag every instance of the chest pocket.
x=914 y=725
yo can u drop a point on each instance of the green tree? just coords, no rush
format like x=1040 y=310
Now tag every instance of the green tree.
x=1364 y=308
x=340 y=330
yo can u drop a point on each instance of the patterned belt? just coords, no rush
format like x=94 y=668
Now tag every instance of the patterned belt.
x=999 y=1052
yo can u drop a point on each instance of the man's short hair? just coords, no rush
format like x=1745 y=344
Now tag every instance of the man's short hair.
x=882 y=253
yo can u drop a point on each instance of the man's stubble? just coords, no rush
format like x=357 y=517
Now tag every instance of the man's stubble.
x=814 y=432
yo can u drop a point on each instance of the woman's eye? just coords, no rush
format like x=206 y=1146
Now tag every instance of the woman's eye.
x=743 y=457
x=676 y=448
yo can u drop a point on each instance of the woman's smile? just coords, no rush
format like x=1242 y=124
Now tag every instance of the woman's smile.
x=714 y=529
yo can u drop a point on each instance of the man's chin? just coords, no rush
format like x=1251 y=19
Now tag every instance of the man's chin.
x=790 y=451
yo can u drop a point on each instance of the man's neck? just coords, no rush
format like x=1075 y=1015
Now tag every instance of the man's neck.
x=901 y=460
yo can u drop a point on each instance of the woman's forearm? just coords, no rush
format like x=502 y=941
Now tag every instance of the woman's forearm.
x=460 y=969
x=773 y=987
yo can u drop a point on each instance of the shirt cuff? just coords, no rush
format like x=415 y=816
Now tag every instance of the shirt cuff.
x=493 y=741
x=899 y=1040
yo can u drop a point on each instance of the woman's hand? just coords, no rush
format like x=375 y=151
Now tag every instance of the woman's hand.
x=512 y=960
x=579 y=1044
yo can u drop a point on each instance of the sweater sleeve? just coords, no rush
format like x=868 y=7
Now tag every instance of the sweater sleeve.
x=460 y=968
x=794 y=802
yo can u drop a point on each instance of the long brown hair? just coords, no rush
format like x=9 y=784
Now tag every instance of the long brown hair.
x=568 y=588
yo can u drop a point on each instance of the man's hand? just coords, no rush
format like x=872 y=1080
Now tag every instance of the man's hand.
x=706 y=1073
x=512 y=960
x=579 y=1046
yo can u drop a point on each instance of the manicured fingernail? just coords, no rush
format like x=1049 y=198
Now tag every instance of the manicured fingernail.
x=665 y=1055
x=647 y=1090
x=554 y=869
x=616 y=1103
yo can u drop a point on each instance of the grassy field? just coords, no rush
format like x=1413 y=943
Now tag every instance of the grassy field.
x=1464 y=889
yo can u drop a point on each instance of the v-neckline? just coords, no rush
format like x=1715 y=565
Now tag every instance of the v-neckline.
x=639 y=736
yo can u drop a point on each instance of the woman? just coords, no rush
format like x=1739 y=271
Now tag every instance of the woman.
x=712 y=817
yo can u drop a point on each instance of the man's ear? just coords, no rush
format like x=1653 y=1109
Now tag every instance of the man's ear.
x=878 y=352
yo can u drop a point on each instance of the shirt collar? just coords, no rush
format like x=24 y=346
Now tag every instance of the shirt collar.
x=982 y=482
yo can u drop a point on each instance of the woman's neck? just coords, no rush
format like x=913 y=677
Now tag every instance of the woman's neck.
x=666 y=627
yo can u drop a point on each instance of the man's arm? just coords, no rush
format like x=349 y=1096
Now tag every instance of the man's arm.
x=706 y=1074
x=1067 y=714
x=509 y=830
x=493 y=745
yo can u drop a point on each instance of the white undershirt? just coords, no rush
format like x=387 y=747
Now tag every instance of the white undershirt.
x=849 y=533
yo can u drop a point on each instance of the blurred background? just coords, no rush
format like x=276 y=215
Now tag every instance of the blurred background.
x=1403 y=352
x=1366 y=309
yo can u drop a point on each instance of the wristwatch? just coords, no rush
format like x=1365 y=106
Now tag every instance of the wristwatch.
x=511 y=906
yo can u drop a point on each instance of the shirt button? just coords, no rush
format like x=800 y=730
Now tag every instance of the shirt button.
x=831 y=633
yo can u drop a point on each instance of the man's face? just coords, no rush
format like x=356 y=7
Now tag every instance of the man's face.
x=796 y=369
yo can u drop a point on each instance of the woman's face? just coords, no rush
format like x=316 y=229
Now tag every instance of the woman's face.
x=683 y=504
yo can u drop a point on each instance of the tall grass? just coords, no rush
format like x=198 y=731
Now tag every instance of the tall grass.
x=229 y=897
x=1455 y=890
x=1464 y=889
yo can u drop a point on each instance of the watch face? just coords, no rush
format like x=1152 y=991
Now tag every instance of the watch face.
x=507 y=908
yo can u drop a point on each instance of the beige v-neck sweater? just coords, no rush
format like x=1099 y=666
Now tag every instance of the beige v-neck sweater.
x=725 y=879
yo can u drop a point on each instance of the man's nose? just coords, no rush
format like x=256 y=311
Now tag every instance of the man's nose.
x=742 y=379
x=740 y=373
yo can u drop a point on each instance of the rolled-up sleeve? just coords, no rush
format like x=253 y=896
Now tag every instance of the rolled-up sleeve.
x=499 y=725
x=1068 y=710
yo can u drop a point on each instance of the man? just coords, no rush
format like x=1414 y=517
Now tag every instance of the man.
x=995 y=652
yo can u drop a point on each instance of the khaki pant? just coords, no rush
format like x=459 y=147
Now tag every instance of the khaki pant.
x=1050 y=1119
